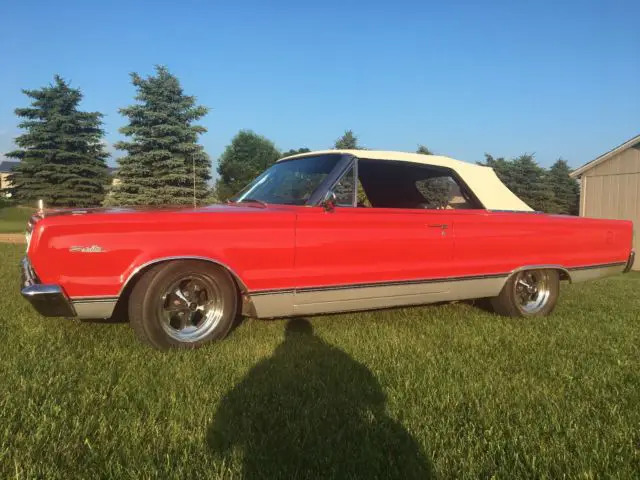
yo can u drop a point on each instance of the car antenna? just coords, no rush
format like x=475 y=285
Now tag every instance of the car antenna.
x=193 y=158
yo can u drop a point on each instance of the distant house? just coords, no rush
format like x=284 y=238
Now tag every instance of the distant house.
x=610 y=186
x=5 y=170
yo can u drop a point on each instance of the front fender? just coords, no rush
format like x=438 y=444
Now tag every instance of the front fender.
x=99 y=259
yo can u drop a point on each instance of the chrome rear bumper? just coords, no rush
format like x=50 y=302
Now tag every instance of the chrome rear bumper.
x=48 y=300
x=629 y=265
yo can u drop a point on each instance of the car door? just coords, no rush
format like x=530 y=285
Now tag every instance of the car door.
x=352 y=257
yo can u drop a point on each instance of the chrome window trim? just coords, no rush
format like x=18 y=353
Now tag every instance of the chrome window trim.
x=353 y=166
x=329 y=182
x=356 y=182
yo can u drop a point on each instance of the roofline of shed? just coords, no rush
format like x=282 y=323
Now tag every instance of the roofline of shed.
x=604 y=157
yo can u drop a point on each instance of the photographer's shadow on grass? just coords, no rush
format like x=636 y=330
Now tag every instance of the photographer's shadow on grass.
x=311 y=411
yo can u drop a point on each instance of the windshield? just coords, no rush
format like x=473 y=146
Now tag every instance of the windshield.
x=289 y=182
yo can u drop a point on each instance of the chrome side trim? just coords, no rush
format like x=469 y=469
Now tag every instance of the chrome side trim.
x=352 y=286
x=243 y=287
x=257 y=293
x=597 y=265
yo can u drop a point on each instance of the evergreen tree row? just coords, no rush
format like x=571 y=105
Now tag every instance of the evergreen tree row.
x=547 y=190
x=63 y=158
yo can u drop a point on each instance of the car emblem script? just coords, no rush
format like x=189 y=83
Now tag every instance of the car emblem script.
x=91 y=249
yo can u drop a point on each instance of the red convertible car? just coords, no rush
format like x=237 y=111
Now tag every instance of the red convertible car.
x=319 y=232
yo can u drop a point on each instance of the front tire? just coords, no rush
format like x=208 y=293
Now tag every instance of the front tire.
x=529 y=293
x=183 y=304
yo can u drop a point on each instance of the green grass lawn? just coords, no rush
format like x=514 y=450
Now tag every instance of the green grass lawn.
x=14 y=219
x=449 y=391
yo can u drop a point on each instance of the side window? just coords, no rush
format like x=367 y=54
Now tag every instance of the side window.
x=345 y=189
x=394 y=184
x=363 y=200
x=442 y=193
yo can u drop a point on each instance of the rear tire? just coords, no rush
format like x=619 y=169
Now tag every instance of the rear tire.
x=529 y=293
x=183 y=304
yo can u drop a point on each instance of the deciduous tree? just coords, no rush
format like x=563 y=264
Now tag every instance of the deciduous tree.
x=248 y=155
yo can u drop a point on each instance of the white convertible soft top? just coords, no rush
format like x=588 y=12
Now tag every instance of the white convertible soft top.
x=483 y=181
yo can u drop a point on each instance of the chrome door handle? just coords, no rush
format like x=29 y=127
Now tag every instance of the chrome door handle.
x=443 y=226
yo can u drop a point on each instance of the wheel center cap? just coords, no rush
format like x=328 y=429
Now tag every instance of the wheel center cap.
x=193 y=306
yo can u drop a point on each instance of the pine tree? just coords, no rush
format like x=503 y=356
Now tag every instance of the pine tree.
x=528 y=181
x=348 y=141
x=423 y=150
x=247 y=157
x=524 y=177
x=163 y=159
x=62 y=157
x=502 y=167
x=566 y=191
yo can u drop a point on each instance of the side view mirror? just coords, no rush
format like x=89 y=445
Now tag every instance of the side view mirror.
x=329 y=201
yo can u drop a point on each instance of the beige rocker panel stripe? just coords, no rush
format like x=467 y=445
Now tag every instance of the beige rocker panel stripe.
x=364 y=296
x=369 y=296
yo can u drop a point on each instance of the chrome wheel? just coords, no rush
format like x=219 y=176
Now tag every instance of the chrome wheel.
x=532 y=290
x=191 y=308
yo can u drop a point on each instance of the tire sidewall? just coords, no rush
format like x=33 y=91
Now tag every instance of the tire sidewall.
x=554 y=292
x=144 y=301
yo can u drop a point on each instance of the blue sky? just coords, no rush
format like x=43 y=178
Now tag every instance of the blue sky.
x=558 y=78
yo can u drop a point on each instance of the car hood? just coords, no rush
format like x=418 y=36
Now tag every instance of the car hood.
x=235 y=207
x=92 y=215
